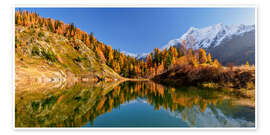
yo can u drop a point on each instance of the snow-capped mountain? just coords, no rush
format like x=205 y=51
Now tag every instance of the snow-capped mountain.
x=229 y=44
x=129 y=54
x=138 y=56
x=142 y=56
x=211 y=36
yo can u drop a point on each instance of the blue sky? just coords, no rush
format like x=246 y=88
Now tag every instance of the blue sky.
x=140 y=30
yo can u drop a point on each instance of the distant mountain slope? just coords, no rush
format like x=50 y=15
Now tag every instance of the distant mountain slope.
x=221 y=36
x=138 y=56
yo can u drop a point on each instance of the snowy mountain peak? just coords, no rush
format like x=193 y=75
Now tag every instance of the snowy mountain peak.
x=210 y=36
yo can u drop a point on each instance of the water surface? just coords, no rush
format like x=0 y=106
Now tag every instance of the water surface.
x=131 y=104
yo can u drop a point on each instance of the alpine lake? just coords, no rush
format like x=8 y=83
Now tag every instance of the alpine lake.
x=136 y=104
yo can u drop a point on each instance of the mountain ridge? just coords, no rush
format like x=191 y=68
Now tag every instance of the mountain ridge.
x=210 y=36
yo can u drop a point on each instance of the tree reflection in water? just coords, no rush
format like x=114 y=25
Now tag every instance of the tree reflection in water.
x=81 y=103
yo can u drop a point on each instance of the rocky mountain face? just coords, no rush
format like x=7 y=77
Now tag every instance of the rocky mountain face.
x=238 y=49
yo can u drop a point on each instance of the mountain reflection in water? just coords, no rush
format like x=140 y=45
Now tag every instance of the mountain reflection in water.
x=131 y=104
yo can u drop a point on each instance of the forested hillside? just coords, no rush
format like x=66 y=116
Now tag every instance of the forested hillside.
x=50 y=31
x=45 y=54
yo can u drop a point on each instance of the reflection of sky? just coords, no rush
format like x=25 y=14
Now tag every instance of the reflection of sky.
x=139 y=112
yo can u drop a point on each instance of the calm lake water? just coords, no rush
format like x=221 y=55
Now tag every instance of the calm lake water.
x=131 y=104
